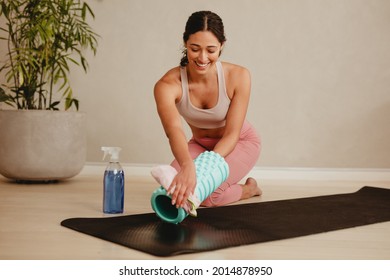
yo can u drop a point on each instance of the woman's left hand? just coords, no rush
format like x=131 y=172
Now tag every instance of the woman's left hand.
x=183 y=185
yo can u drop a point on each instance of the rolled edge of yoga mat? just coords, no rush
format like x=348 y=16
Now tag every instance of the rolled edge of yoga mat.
x=211 y=171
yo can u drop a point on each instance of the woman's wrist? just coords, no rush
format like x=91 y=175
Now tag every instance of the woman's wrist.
x=187 y=164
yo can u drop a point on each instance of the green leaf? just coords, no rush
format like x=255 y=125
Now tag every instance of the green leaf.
x=54 y=105
x=89 y=10
x=71 y=101
x=3 y=96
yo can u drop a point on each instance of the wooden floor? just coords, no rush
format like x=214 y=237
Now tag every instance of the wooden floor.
x=30 y=217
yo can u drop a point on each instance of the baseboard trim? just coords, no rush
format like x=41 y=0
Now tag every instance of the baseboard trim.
x=269 y=173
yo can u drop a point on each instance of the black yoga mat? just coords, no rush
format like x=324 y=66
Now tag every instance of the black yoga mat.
x=228 y=226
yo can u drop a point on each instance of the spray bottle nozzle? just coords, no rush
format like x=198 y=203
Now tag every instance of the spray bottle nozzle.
x=112 y=151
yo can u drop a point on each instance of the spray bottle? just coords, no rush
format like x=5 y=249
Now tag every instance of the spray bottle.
x=114 y=182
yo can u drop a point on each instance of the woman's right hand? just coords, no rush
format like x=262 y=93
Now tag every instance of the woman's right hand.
x=183 y=185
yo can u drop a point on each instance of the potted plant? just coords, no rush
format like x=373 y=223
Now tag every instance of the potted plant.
x=43 y=38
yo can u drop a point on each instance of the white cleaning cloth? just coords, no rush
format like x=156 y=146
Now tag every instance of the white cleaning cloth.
x=164 y=175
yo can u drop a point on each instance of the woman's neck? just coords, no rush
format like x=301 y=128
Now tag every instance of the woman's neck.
x=202 y=78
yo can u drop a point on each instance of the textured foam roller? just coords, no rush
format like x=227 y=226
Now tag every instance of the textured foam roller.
x=211 y=171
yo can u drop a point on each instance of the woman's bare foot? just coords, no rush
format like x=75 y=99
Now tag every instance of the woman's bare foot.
x=250 y=189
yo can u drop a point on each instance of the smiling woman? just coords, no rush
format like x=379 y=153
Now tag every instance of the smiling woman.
x=212 y=97
x=203 y=49
x=204 y=21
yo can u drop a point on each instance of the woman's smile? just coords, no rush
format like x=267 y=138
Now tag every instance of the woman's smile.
x=202 y=65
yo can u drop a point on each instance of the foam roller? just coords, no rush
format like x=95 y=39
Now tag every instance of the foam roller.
x=211 y=171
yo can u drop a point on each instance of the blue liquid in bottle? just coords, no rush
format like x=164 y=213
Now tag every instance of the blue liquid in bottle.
x=114 y=189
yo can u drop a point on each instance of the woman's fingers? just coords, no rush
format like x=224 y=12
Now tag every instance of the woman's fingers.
x=180 y=189
x=173 y=192
x=179 y=195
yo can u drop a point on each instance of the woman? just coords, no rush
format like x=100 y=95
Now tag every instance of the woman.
x=212 y=97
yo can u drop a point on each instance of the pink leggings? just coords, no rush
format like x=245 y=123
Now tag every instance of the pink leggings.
x=241 y=160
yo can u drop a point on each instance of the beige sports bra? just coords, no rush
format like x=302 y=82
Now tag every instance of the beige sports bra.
x=204 y=118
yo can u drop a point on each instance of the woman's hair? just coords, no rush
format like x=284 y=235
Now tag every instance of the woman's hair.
x=202 y=21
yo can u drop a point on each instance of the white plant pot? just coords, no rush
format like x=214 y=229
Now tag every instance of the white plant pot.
x=40 y=145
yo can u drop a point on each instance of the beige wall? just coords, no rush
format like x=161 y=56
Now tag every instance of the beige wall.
x=320 y=72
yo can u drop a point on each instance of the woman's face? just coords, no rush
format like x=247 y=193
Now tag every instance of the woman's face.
x=203 y=50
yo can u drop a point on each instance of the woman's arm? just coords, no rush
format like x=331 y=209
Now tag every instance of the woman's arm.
x=184 y=183
x=241 y=81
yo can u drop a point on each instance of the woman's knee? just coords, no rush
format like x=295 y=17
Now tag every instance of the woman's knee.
x=223 y=196
x=213 y=200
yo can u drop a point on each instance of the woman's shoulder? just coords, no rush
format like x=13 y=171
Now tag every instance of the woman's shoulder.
x=235 y=71
x=169 y=84
x=170 y=78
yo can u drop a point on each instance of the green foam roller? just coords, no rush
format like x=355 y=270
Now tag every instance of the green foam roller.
x=211 y=171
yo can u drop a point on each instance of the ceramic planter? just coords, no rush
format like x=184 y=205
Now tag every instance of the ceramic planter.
x=40 y=145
